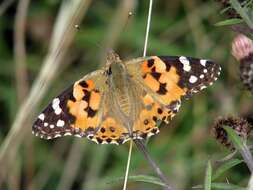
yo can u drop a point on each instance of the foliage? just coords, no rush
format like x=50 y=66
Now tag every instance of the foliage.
x=182 y=149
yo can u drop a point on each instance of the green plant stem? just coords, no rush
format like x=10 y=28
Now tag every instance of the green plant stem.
x=142 y=147
x=247 y=156
x=128 y=164
x=148 y=27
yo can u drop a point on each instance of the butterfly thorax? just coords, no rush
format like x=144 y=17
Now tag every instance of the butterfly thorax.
x=120 y=89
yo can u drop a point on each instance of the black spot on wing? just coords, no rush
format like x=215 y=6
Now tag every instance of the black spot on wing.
x=83 y=84
x=86 y=96
x=150 y=62
x=156 y=75
x=91 y=112
x=162 y=89
x=205 y=73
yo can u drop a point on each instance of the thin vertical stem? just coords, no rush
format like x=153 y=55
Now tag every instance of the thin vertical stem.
x=144 y=54
x=128 y=164
x=158 y=171
x=138 y=142
x=147 y=29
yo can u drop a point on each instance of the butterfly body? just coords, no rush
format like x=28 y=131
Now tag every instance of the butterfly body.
x=125 y=100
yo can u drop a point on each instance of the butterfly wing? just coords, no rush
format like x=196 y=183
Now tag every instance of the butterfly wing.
x=83 y=110
x=158 y=85
x=165 y=80
x=75 y=111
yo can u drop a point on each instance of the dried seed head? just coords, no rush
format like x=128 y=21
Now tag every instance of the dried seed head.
x=242 y=50
x=230 y=12
x=240 y=126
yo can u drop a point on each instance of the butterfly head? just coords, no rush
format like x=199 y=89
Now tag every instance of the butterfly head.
x=112 y=57
x=114 y=63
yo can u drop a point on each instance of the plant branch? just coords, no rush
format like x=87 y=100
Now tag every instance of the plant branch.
x=20 y=50
x=52 y=62
x=247 y=156
x=142 y=147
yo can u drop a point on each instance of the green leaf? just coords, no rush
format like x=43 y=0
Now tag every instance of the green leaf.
x=221 y=186
x=242 y=12
x=141 y=178
x=226 y=186
x=226 y=166
x=229 y=22
x=208 y=176
x=237 y=142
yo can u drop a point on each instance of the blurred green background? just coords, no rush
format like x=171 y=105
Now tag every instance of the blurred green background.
x=181 y=149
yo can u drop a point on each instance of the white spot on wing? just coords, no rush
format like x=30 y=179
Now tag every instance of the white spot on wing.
x=193 y=79
x=202 y=87
x=57 y=135
x=114 y=142
x=205 y=70
x=55 y=106
x=51 y=126
x=57 y=111
x=186 y=63
x=60 y=123
x=201 y=76
x=203 y=62
x=55 y=103
x=45 y=124
x=41 y=116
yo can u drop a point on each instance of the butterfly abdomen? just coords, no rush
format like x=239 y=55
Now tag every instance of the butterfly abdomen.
x=124 y=104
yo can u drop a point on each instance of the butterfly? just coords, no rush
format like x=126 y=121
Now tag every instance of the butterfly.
x=125 y=99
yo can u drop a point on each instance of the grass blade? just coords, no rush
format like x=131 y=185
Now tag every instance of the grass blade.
x=208 y=176
x=226 y=166
x=234 y=138
x=241 y=147
x=242 y=12
x=222 y=186
x=229 y=22
x=140 y=178
x=226 y=186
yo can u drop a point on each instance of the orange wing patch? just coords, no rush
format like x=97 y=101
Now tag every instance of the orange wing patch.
x=84 y=106
x=111 y=132
x=152 y=113
x=162 y=79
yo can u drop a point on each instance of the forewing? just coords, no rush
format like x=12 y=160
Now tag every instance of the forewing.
x=75 y=111
x=171 y=78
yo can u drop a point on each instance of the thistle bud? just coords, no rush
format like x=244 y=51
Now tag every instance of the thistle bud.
x=242 y=50
x=239 y=125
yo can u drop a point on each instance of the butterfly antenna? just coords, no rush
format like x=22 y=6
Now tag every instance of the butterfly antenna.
x=128 y=164
x=130 y=14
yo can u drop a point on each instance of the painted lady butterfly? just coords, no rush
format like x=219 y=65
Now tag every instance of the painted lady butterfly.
x=125 y=100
